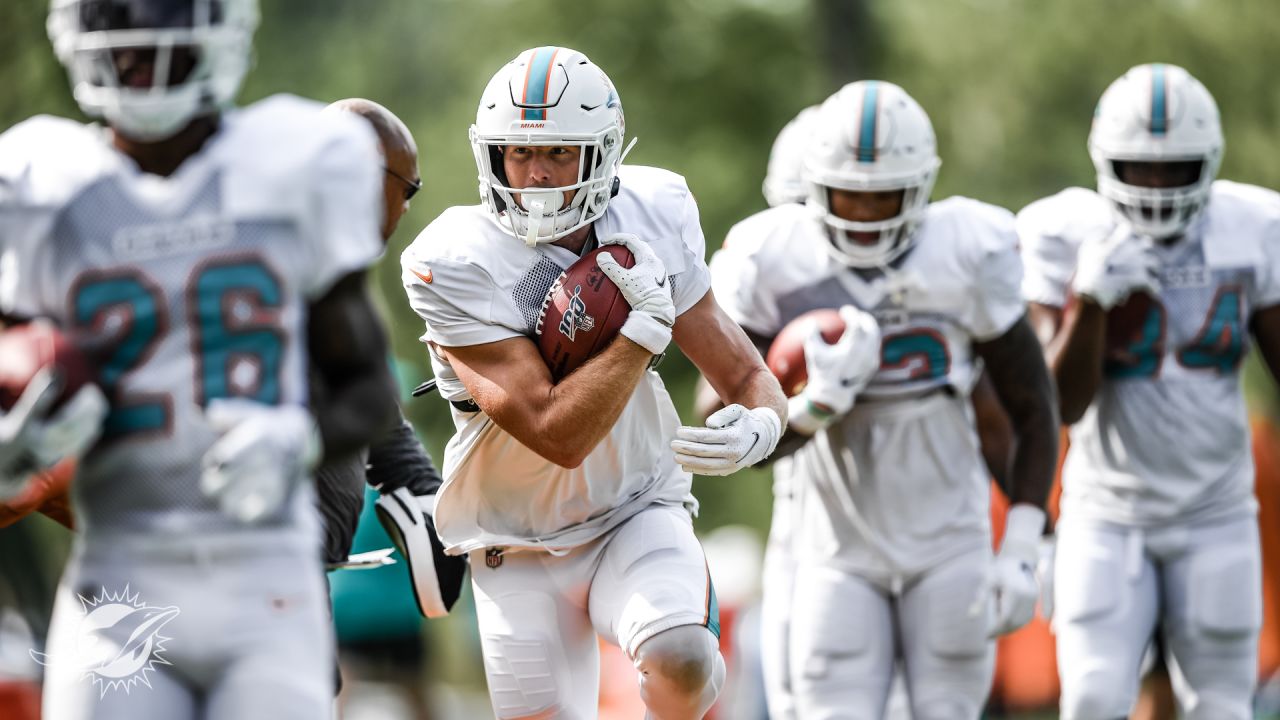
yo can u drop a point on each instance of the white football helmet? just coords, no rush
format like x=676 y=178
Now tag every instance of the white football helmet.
x=550 y=96
x=783 y=182
x=1156 y=113
x=871 y=136
x=87 y=34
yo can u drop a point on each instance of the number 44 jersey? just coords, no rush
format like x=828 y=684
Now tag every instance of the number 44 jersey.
x=1166 y=437
x=185 y=288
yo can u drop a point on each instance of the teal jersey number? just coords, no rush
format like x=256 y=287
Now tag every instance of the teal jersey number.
x=1143 y=355
x=233 y=309
x=1220 y=343
x=137 y=306
x=927 y=347
x=234 y=318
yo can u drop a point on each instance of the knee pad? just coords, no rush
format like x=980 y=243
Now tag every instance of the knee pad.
x=1099 y=695
x=945 y=709
x=687 y=656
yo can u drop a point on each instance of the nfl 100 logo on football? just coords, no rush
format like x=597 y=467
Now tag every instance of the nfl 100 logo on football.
x=115 y=643
x=576 y=318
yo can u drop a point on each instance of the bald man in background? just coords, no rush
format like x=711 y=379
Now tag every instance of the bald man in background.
x=396 y=465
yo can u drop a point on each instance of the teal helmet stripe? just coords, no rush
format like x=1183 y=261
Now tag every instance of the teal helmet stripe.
x=536 y=80
x=866 y=150
x=1159 y=101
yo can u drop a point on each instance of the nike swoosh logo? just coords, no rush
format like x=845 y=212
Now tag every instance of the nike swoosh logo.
x=426 y=277
x=589 y=108
x=662 y=282
x=753 y=446
x=846 y=382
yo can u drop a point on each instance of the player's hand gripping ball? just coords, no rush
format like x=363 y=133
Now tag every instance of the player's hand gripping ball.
x=50 y=409
x=582 y=312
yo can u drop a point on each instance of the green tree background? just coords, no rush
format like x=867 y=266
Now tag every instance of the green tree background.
x=706 y=84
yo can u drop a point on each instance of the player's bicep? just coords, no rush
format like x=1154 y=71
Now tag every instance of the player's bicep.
x=717 y=346
x=1016 y=365
x=507 y=378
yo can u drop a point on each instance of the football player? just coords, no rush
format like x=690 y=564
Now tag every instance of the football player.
x=568 y=496
x=1145 y=294
x=205 y=257
x=892 y=537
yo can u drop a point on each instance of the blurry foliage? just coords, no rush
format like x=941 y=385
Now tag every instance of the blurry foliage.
x=1010 y=85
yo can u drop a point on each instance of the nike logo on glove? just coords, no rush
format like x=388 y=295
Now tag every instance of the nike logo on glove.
x=756 y=439
x=663 y=281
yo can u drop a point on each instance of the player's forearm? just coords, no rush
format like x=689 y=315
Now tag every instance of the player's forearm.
x=1025 y=389
x=397 y=460
x=759 y=388
x=356 y=413
x=582 y=408
x=1075 y=358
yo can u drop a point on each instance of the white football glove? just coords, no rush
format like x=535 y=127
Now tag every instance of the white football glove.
x=837 y=372
x=645 y=287
x=1013 y=574
x=31 y=441
x=1044 y=574
x=262 y=452
x=1113 y=268
x=734 y=438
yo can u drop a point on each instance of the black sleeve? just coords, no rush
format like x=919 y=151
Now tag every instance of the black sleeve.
x=398 y=460
x=340 y=496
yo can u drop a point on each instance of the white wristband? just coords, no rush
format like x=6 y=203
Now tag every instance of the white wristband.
x=1023 y=527
x=644 y=330
x=806 y=418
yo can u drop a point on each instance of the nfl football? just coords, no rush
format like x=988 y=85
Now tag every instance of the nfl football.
x=26 y=349
x=1126 y=321
x=582 y=312
x=786 y=354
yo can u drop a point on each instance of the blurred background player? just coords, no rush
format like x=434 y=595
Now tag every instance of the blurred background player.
x=576 y=512
x=380 y=631
x=893 y=537
x=783 y=184
x=1144 y=294
x=205 y=257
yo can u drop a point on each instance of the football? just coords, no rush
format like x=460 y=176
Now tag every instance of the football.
x=1126 y=321
x=582 y=312
x=786 y=354
x=26 y=348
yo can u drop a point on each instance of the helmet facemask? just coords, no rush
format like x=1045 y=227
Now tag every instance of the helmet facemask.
x=1157 y=114
x=195 y=52
x=871 y=136
x=543 y=215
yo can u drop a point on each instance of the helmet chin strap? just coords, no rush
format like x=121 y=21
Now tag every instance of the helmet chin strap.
x=536 y=203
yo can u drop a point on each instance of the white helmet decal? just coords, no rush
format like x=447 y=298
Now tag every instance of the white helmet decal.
x=549 y=96
x=1156 y=113
x=218 y=33
x=871 y=136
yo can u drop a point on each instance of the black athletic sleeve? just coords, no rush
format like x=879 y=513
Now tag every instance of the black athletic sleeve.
x=398 y=460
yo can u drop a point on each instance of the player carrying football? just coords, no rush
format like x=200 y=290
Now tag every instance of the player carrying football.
x=204 y=256
x=1145 y=294
x=892 y=533
x=567 y=495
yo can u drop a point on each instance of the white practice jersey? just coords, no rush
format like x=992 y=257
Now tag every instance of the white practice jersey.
x=183 y=289
x=958 y=284
x=1166 y=437
x=473 y=283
